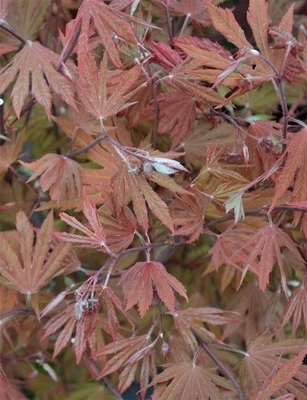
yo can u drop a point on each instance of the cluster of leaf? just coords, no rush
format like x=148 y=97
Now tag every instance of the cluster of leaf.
x=153 y=199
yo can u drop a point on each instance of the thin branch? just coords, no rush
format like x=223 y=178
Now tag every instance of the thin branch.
x=95 y=368
x=256 y=212
x=8 y=28
x=85 y=148
x=221 y=366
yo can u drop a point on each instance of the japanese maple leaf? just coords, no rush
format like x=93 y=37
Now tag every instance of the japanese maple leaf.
x=120 y=231
x=263 y=358
x=113 y=302
x=195 y=9
x=100 y=100
x=9 y=152
x=294 y=172
x=188 y=215
x=60 y=175
x=35 y=66
x=65 y=319
x=278 y=379
x=32 y=260
x=129 y=353
x=111 y=25
x=142 y=279
x=191 y=321
x=266 y=246
x=94 y=237
x=186 y=380
x=177 y=112
x=296 y=309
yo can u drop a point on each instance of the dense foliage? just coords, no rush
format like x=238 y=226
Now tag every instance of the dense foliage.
x=153 y=199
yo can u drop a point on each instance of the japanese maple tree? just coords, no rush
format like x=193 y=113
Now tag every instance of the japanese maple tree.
x=153 y=200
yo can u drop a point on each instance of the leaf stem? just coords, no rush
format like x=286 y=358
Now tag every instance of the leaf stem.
x=8 y=28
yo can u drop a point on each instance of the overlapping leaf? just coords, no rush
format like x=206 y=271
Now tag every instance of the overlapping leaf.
x=128 y=354
x=191 y=321
x=60 y=175
x=142 y=279
x=110 y=25
x=262 y=357
x=35 y=64
x=94 y=237
x=185 y=380
x=94 y=93
x=32 y=260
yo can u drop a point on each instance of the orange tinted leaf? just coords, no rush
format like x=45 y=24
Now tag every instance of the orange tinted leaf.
x=185 y=380
x=258 y=19
x=140 y=280
x=34 y=260
x=224 y=22
x=106 y=21
x=155 y=203
x=263 y=356
x=124 y=349
x=60 y=175
x=294 y=171
x=279 y=379
x=94 y=237
x=35 y=63
x=9 y=152
x=112 y=301
x=99 y=100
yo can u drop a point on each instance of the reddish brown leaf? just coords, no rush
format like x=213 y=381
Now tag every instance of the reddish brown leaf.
x=263 y=357
x=65 y=319
x=279 y=379
x=125 y=349
x=110 y=25
x=296 y=308
x=60 y=175
x=185 y=380
x=36 y=64
x=191 y=321
x=294 y=171
x=32 y=260
x=140 y=280
x=99 y=100
x=94 y=237
x=9 y=152
x=112 y=301
x=224 y=22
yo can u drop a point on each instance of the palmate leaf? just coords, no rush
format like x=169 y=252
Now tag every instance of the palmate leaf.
x=100 y=100
x=191 y=321
x=279 y=379
x=142 y=279
x=94 y=237
x=177 y=112
x=294 y=172
x=129 y=353
x=296 y=309
x=195 y=9
x=110 y=25
x=133 y=180
x=9 y=152
x=32 y=260
x=60 y=175
x=35 y=64
x=188 y=214
x=263 y=358
x=185 y=380
x=264 y=249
